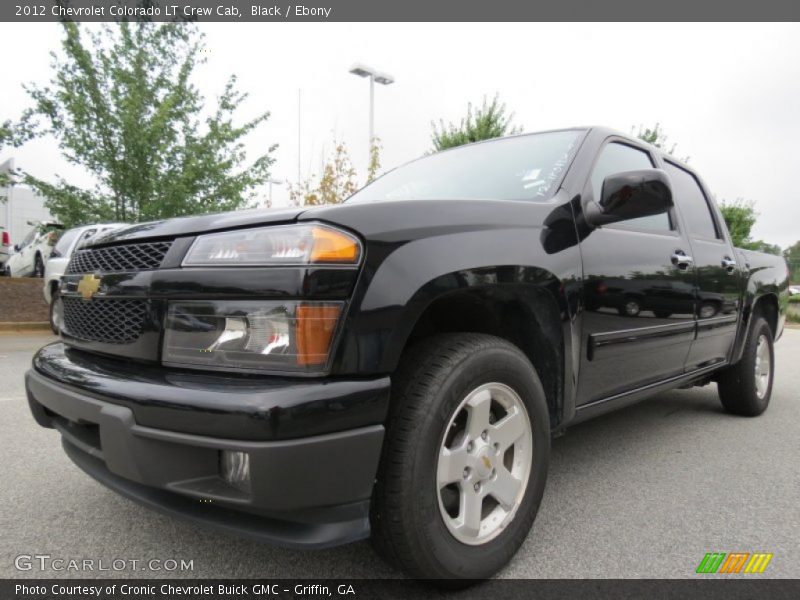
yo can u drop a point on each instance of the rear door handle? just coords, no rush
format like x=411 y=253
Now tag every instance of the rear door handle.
x=729 y=265
x=681 y=260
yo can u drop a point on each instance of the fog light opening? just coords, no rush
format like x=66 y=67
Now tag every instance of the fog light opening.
x=234 y=468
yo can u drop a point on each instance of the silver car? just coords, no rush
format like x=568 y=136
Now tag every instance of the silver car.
x=56 y=265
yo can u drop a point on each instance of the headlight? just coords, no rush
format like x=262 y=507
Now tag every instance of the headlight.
x=276 y=245
x=250 y=335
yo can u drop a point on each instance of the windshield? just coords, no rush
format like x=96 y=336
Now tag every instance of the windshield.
x=526 y=167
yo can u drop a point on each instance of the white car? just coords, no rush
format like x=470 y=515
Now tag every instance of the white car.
x=56 y=266
x=32 y=253
x=794 y=290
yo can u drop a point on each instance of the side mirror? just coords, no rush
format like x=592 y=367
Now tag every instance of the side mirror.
x=630 y=195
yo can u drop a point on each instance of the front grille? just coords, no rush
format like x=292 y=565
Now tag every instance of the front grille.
x=128 y=257
x=106 y=320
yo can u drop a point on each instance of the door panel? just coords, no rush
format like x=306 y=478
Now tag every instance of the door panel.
x=638 y=322
x=718 y=278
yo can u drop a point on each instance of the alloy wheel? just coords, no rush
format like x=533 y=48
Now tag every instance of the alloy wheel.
x=763 y=366
x=484 y=463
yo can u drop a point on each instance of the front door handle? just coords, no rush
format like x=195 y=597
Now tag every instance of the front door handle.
x=681 y=260
x=729 y=265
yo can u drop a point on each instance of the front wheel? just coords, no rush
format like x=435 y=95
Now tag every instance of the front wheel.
x=745 y=388
x=630 y=308
x=465 y=458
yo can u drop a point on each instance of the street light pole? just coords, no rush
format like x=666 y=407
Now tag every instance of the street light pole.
x=299 y=96
x=374 y=77
x=371 y=112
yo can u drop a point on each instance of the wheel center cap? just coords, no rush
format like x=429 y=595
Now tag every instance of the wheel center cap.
x=484 y=462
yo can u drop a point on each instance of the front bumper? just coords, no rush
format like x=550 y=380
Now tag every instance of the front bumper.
x=308 y=491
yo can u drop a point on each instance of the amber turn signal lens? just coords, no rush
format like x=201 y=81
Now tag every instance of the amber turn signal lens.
x=334 y=246
x=315 y=325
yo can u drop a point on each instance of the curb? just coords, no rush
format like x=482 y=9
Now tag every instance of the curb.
x=24 y=326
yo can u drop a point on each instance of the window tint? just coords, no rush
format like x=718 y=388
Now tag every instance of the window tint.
x=616 y=158
x=692 y=202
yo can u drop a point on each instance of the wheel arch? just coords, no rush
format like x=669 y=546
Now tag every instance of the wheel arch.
x=522 y=305
x=766 y=305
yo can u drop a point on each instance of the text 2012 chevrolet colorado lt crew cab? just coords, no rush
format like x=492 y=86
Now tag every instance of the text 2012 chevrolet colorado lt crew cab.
x=395 y=366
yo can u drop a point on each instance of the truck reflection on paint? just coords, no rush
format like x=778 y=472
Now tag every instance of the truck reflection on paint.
x=659 y=298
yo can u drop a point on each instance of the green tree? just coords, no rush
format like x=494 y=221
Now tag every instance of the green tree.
x=762 y=246
x=337 y=183
x=792 y=256
x=740 y=216
x=122 y=107
x=374 y=159
x=487 y=122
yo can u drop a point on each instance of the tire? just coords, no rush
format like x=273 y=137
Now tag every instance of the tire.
x=55 y=306
x=630 y=308
x=38 y=266
x=745 y=388
x=410 y=525
x=708 y=310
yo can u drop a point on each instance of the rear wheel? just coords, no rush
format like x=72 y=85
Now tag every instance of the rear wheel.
x=745 y=388
x=465 y=458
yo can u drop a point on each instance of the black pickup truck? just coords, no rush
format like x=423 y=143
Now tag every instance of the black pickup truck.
x=395 y=366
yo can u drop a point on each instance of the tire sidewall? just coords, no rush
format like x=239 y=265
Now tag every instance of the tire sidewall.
x=760 y=327
x=54 y=298
x=455 y=558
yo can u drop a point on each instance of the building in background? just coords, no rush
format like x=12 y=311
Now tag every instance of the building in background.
x=19 y=205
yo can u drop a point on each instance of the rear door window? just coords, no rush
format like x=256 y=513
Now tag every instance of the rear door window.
x=692 y=202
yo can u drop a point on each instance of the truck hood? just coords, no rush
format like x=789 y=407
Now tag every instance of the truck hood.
x=399 y=220
x=182 y=226
x=380 y=221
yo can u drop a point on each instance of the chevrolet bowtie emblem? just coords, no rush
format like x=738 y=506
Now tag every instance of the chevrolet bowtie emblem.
x=88 y=286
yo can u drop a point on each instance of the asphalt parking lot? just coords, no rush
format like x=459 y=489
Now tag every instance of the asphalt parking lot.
x=644 y=492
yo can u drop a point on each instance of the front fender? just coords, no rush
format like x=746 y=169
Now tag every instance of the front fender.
x=415 y=274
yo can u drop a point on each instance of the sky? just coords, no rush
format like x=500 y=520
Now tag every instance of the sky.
x=727 y=94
